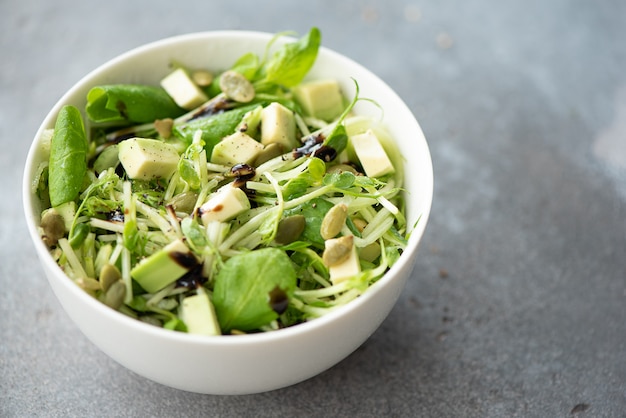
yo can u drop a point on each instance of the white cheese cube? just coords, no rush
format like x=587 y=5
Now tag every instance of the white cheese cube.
x=371 y=154
x=147 y=159
x=346 y=269
x=225 y=204
x=278 y=125
x=235 y=149
x=183 y=90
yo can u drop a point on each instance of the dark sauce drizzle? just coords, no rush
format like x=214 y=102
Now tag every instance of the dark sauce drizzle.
x=279 y=301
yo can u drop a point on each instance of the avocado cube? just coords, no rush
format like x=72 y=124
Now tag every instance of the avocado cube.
x=198 y=313
x=346 y=269
x=225 y=204
x=147 y=159
x=183 y=90
x=278 y=125
x=164 y=267
x=371 y=154
x=321 y=99
x=236 y=149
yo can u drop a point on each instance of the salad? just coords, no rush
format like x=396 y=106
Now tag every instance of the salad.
x=226 y=201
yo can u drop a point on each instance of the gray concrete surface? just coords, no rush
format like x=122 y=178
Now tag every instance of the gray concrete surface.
x=517 y=304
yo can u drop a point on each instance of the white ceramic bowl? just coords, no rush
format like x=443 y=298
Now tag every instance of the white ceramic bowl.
x=247 y=363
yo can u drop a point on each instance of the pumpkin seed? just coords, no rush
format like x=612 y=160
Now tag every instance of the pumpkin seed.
x=370 y=252
x=184 y=202
x=87 y=283
x=114 y=297
x=289 y=229
x=333 y=221
x=53 y=228
x=164 y=127
x=359 y=223
x=202 y=78
x=337 y=250
x=237 y=87
x=109 y=275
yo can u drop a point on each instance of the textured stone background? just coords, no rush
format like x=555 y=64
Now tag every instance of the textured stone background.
x=517 y=303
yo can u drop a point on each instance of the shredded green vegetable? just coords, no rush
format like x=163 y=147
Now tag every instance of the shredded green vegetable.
x=220 y=235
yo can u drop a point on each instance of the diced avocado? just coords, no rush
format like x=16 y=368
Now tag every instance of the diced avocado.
x=371 y=154
x=183 y=90
x=147 y=159
x=199 y=315
x=278 y=125
x=225 y=204
x=321 y=99
x=164 y=267
x=235 y=149
x=346 y=269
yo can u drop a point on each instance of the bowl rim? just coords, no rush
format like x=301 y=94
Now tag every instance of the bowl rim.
x=406 y=260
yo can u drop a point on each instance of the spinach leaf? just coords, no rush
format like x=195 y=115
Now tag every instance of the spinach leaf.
x=68 y=157
x=214 y=127
x=292 y=62
x=130 y=103
x=246 y=286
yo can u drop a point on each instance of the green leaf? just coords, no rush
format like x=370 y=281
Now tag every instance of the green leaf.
x=292 y=62
x=317 y=169
x=313 y=211
x=68 y=157
x=247 y=65
x=343 y=180
x=214 y=127
x=245 y=285
x=196 y=237
x=338 y=139
x=298 y=186
x=130 y=103
x=188 y=173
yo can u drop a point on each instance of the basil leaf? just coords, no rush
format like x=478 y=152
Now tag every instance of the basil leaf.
x=68 y=157
x=245 y=286
x=130 y=103
x=292 y=62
